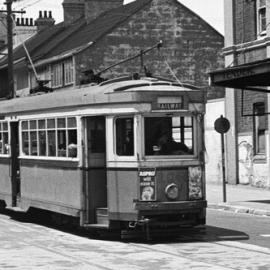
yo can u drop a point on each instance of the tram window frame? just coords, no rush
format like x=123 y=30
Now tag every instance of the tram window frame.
x=121 y=140
x=154 y=149
x=4 y=133
x=56 y=130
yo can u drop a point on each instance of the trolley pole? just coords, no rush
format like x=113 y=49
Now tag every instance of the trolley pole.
x=9 y=12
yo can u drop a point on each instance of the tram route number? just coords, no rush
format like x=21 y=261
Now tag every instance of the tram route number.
x=147 y=184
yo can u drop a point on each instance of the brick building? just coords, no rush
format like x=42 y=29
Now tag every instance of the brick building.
x=247 y=78
x=96 y=34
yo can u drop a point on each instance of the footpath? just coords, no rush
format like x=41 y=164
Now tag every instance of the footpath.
x=240 y=199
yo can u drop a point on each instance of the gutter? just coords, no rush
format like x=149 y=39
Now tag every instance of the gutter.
x=62 y=56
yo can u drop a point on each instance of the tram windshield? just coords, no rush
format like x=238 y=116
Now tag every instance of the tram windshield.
x=169 y=135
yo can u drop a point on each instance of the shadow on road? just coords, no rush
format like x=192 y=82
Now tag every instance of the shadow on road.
x=260 y=201
x=196 y=234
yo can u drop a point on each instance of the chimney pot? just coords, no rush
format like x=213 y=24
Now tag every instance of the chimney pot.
x=45 y=14
x=50 y=14
x=40 y=14
x=18 y=22
x=22 y=21
x=26 y=22
x=31 y=21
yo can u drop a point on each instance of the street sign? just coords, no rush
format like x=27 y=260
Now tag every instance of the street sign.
x=222 y=125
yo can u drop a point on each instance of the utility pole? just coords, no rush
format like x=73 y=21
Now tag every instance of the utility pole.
x=9 y=12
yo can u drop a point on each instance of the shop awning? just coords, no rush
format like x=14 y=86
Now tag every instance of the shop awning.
x=253 y=76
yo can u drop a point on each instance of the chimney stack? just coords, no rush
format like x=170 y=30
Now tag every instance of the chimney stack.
x=43 y=21
x=93 y=8
x=73 y=10
x=89 y=9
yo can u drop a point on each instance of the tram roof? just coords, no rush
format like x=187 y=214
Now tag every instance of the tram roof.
x=109 y=92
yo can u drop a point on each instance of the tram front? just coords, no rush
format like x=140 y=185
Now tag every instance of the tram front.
x=156 y=161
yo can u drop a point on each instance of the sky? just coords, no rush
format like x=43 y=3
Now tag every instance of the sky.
x=210 y=10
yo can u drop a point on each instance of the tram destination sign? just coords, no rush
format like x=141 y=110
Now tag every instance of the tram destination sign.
x=147 y=184
x=170 y=103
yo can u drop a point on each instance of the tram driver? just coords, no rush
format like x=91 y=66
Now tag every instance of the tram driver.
x=168 y=146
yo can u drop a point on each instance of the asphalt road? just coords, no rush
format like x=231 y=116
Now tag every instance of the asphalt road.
x=251 y=229
x=229 y=241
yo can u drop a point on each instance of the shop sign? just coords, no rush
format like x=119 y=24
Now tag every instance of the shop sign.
x=147 y=184
x=235 y=74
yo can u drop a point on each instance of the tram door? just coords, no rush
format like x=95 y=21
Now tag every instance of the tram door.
x=96 y=182
x=15 y=165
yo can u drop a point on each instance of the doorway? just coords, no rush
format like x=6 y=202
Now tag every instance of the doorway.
x=15 y=164
x=95 y=163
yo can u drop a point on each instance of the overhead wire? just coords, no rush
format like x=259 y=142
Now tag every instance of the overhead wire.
x=189 y=98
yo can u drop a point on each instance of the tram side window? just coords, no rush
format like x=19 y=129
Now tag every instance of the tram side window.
x=169 y=135
x=50 y=137
x=4 y=147
x=124 y=137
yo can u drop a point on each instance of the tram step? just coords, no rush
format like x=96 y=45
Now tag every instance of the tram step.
x=102 y=216
x=96 y=226
x=15 y=209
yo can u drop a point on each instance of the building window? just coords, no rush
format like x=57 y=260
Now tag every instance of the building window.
x=62 y=73
x=43 y=74
x=124 y=136
x=169 y=135
x=68 y=72
x=55 y=137
x=261 y=17
x=4 y=146
x=57 y=75
x=259 y=128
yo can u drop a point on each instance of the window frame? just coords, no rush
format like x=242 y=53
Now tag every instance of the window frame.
x=261 y=27
x=2 y=131
x=48 y=129
x=194 y=140
x=62 y=73
x=256 y=123
x=115 y=133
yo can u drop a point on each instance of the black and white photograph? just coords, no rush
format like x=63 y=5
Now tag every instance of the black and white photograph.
x=135 y=134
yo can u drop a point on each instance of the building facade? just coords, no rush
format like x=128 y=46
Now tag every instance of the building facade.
x=98 y=34
x=247 y=80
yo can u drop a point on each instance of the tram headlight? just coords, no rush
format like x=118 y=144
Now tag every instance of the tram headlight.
x=195 y=183
x=172 y=191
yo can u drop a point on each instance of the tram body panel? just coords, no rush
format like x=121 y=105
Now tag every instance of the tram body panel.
x=50 y=186
x=5 y=182
x=122 y=192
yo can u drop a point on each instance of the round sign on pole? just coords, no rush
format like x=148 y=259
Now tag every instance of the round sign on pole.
x=222 y=125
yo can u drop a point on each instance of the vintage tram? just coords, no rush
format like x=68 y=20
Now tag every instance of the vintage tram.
x=127 y=154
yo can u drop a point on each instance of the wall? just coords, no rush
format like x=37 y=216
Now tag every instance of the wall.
x=191 y=47
x=245 y=20
x=252 y=170
x=244 y=46
x=213 y=166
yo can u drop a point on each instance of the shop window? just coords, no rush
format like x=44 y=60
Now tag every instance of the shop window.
x=50 y=137
x=259 y=128
x=261 y=17
x=124 y=136
x=4 y=146
x=169 y=135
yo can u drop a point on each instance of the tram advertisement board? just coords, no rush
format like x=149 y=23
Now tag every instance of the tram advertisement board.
x=147 y=184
